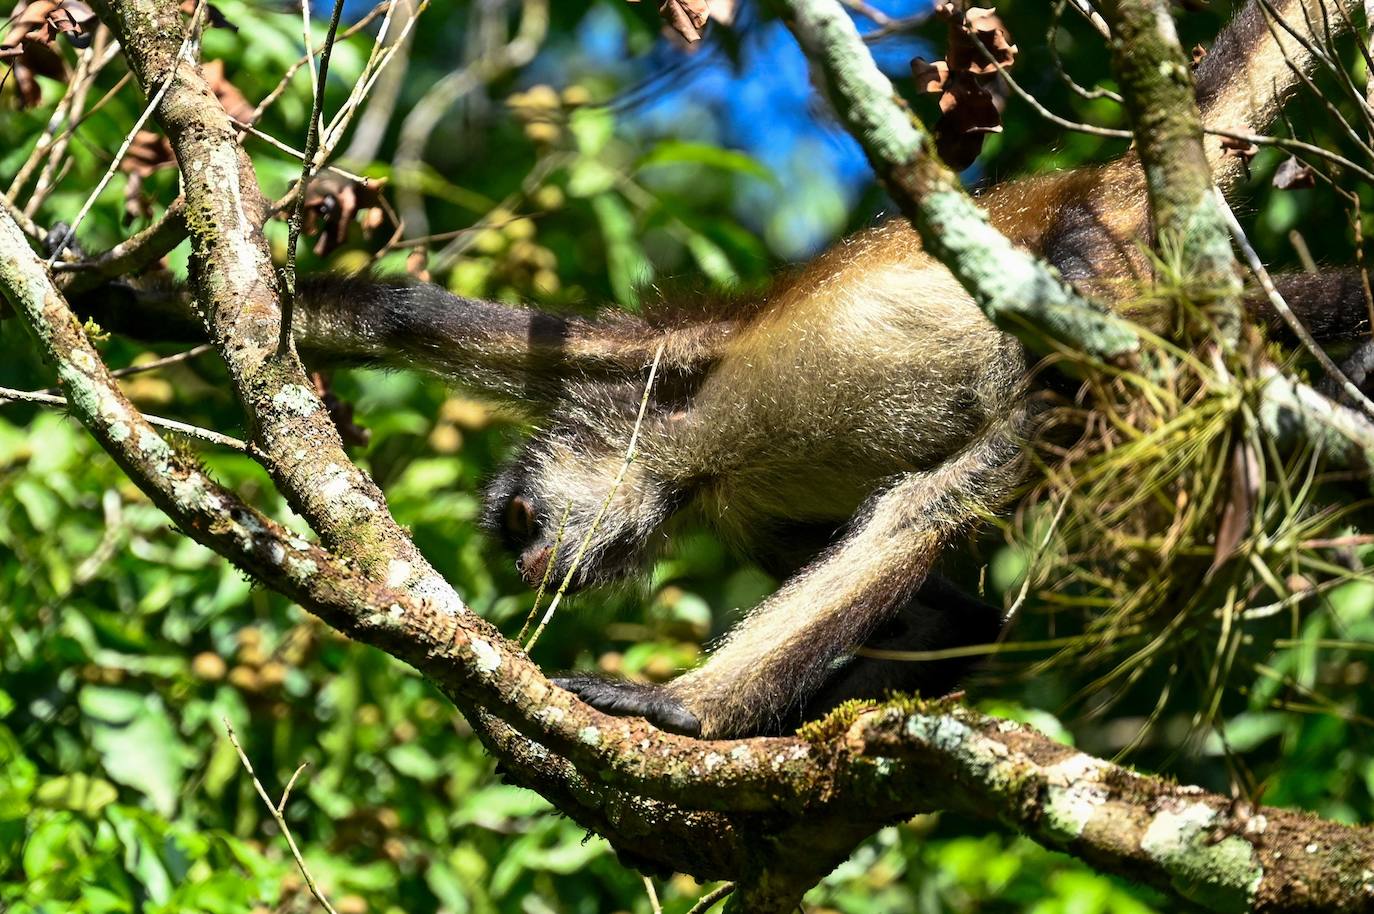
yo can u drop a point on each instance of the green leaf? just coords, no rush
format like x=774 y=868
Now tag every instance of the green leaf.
x=625 y=259
x=77 y=792
x=137 y=743
x=592 y=129
x=679 y=152
x=412 y=760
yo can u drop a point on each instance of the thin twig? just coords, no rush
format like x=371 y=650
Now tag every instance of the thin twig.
x=709 y=900
x=1047 y=114
x=147 y=112
x=1289 y=318
x=1293 y=145
x=295 y=68
x=605 y=504
x=163 y=362
x=654 y=906
x=312 y=146
x=292 y=151
x=286 y=791
x=280 y=819
x=10 y=395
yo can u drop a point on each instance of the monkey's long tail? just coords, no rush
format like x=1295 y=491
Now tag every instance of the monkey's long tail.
x=512 y=352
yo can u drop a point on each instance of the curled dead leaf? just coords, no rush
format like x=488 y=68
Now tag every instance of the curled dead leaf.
x=1241 y=149
x=1293 y=174
x=970 y=100
x=148 y=152
x=687 y=18
x=29 y=43
x=1199 y=52
x=333 y=202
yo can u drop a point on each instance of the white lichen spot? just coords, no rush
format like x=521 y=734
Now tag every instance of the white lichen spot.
x=1219 y=875
x=83 y=360
x=296 y=399
x=1311 y=848
x=1258 y=824
x=1073 y=794
x=882 y=766
x=488 y=658
x=300 y=569
x=276 y=553
x=550 y=715
x=713 y=761
x=396 y=611
x=589 y=735
x=119 y=432
x=436 y=592
x=741 y=755
x=335 y=482
x=1008 y=726
x=397 y=572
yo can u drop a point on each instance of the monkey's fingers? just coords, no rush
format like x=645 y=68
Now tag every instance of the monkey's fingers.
x=633 y=699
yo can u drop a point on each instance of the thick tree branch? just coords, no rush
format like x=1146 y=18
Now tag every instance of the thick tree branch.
x=234 y=282
x=1017 y=291
x=1157 y=88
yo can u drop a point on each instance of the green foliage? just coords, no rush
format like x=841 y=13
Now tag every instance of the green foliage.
x=124 y=646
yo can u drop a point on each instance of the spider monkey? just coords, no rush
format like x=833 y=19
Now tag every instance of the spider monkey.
x=843 y=429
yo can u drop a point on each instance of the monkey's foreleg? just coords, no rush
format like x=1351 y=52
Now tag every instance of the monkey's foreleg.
x=773 y=662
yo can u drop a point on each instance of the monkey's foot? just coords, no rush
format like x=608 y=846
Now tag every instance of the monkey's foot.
x=633 y=699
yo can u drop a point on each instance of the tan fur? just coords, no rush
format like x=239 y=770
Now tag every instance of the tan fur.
x=866 y=397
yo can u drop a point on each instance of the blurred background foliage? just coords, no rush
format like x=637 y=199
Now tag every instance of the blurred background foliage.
x=613 y=165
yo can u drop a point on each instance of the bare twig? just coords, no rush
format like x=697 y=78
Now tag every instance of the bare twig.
x=74 y=103
x=286 y=791
x=280 y=819
x=312 y=146
x=292 y=151
x=711 y=898
x=1040 y=109
x=163 y=362
x=630 y=451
x=1295 y=146
x=1289 y=318
x=143 y=116
x=10 y=395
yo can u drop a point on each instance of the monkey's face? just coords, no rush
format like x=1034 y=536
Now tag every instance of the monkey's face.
x=570 y=508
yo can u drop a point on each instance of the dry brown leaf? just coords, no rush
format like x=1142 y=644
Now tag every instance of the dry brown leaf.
x=1199 y=53
x=148 y=152
x=234 y=101
x=1239 y=509
x=965 y=80
x=930 y=75
x=33 y=27
x=333 y=202
x=687 y=17
x=417 y=264
x=1293 y=174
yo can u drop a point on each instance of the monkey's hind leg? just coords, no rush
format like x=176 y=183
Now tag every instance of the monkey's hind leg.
x=780 y=656
x=941 y=617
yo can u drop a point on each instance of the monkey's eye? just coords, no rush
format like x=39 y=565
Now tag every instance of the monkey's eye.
x=519 y=520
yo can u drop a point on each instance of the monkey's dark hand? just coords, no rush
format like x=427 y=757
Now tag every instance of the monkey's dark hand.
x=633 y=699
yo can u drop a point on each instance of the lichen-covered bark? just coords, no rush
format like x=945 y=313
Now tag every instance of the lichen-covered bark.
x=1157 y=88
x=1017 y=291
x=235 y=283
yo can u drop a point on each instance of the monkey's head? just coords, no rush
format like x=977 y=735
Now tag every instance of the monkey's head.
x=557 y=506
